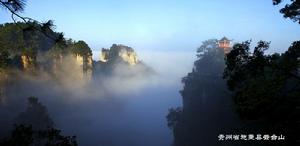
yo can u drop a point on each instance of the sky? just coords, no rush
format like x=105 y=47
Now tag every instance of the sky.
x=164 y=25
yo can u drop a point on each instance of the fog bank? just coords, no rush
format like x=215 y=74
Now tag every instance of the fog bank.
x=127 y=108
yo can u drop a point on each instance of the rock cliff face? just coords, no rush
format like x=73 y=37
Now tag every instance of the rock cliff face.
x=35 y=54
x=120 y=60
x=56 y=62
x=86 y=63
x=104 y=55
x=119 y=53
x=27 y=62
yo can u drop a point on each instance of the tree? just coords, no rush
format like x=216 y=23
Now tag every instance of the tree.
x=207 y=47
x=266 y=87
x=291 y=10
x=16 y=42
x=81 y=48
x=35 y=128
x=205 y=99
x=15 y=7
x=24 y=135
x=36 y=115
x=4 y=60
x=173 y=117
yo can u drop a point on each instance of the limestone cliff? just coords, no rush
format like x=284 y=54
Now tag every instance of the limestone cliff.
x=119 y=53
x=104 y=55
x=86 y=63
x=27 y=62
x=56 y=63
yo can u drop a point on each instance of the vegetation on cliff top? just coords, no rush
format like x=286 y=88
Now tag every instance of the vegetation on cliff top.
x=19 y=39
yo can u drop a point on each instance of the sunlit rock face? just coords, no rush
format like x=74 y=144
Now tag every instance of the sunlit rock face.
x=121 y=61
x=104 y=55
x=79 y=64
x=86 y=62
x=119 y=53
x=128 y=56
x=27 y=62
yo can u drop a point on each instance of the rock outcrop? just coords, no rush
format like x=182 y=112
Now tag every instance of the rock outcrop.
x=27 y=62
x=33 y=54
x=86 y=63
x=119 y=53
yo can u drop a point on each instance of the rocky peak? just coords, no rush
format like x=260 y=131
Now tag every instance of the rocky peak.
x=119 y=52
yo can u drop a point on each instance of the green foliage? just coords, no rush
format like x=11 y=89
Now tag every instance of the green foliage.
x=18 y=38
x=59 y=49
x=207 y=46
x=45 y=28
x=13 y=5
x=35 y=128
x=205 y=99
x=4 y=60
x=81 y=48
x=259 y=80
x=32 y=38
x=11 y=38
x=24 y=135
x=266 y=87
x=291 y=10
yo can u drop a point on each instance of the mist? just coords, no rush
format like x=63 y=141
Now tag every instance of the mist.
x=127 y=108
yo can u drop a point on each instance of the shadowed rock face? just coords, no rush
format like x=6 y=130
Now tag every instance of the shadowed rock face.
x=119 y=53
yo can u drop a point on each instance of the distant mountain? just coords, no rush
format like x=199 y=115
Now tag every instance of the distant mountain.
x=122 y=58
x=119 y=53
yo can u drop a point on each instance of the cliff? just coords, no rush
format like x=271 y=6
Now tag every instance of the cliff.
x=120 y=60
x=119 y=53
x=86 y=63
x=205 y=98
x=27 y=62
x=30 y=52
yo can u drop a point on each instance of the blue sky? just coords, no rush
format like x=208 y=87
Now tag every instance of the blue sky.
x=164 y=25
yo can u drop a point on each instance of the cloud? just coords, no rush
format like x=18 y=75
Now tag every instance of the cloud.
x=104 y=110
